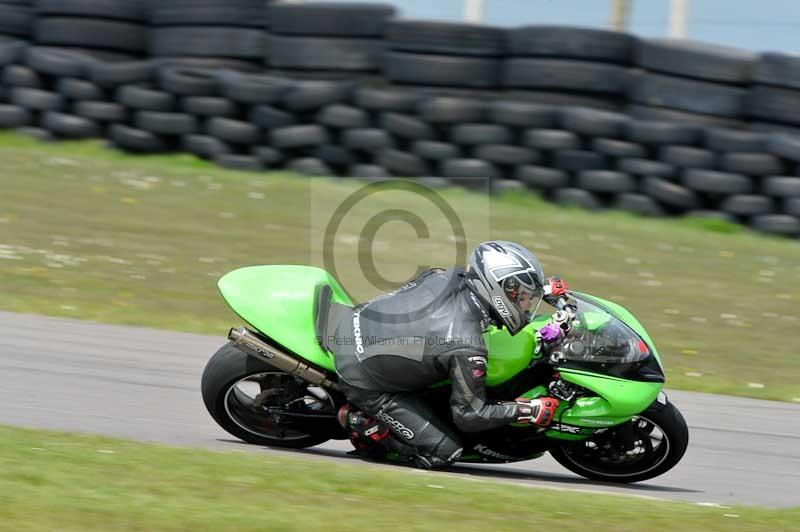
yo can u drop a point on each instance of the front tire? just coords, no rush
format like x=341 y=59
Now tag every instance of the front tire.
x=663 y=434
x=235 y=389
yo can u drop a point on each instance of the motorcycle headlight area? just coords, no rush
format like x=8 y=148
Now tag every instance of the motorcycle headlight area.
x=597 y=337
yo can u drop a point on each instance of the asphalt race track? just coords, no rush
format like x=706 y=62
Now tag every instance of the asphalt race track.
x=144 y=384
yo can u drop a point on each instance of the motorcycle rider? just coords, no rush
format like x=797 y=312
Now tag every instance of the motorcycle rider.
x=430 y=329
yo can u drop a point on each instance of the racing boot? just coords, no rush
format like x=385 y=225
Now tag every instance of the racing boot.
x=366 y=434
x=539 y=411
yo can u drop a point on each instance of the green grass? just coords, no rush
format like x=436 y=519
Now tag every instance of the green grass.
x=90 y=233
x=55 y=481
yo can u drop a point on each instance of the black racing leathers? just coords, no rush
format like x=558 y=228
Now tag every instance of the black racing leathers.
x=427 y=331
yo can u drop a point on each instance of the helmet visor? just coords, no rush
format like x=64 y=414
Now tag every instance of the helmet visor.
x=525 y=297
x=528 y=302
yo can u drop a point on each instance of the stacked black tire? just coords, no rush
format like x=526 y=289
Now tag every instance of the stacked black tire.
x=239 y=120
x=327 y=40
x=569 y=66
x=155 y=120
x=774 y=99
x=50 y=93
x=47 y=82
x=12 y=76
x=441 y=54
x=690 y=82
x=209 y=33
x=783 y=190
x=575 y=167
x=16 y=22
x=60 y=85
x=364 y=134
x=16 y=19
x=278 y=126
x=677 y=150
x=103 y=29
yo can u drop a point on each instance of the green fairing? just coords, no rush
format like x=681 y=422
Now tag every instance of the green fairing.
x=280 y=301
x=508 y=355
x=617 y=399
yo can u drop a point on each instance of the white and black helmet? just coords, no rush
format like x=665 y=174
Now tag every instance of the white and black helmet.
x=508 y=280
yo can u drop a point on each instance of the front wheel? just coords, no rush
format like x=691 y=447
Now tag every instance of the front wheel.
x=260 y=404
x=659 y=436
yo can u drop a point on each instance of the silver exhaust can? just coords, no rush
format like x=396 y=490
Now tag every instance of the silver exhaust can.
x=251 y=344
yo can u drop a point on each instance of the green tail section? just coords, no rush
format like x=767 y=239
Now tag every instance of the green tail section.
x=280 y=302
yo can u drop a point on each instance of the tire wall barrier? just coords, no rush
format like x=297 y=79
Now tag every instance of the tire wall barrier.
x=586 y=117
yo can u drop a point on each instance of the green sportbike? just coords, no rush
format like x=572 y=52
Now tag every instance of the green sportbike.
x=275 y=384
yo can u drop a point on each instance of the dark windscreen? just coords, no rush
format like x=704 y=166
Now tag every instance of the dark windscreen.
x=601 y=343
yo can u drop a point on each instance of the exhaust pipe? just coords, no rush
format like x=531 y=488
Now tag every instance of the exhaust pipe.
x=249 y=343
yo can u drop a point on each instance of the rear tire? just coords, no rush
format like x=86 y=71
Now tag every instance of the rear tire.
x=666 y=418
x=226 y=368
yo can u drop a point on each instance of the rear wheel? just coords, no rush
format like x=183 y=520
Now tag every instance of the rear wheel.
x=259 y=404
x=659 y=436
